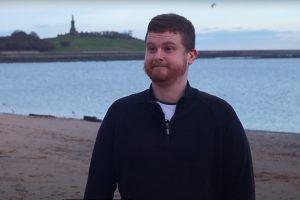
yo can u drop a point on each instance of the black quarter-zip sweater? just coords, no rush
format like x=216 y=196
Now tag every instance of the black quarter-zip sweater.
x=204 y=155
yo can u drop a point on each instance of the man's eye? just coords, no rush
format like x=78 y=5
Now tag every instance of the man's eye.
x=151 y=49
x=169 y=49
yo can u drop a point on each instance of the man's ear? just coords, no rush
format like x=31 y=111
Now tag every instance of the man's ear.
x=192 y=55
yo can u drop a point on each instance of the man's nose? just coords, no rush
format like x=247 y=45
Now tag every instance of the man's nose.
x=158 y=54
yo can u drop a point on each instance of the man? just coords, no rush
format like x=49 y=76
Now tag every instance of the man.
x=171 y=141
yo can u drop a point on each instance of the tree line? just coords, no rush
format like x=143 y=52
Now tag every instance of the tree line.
x=21 y=41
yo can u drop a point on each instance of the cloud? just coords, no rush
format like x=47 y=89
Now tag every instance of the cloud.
x=5 y=33
x=248 y=39
x=41 y=26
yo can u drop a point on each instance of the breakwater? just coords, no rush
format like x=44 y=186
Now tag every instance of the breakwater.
x=36 y=56
x=251 y=53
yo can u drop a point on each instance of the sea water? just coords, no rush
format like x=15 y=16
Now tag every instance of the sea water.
x=265 y=93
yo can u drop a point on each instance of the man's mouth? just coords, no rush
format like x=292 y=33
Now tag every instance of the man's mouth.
x=157 y=64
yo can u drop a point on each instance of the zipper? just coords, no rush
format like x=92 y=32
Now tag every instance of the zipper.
x=165 y=123
x=167 y=127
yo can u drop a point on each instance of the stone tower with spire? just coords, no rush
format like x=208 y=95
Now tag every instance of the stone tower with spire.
x=73 y=29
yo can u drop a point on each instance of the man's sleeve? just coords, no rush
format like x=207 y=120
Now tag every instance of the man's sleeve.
x=101 y=182
x=238 y=170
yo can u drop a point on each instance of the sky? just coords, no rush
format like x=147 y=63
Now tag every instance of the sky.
x=229 y=25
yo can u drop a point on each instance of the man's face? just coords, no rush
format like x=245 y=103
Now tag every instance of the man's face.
x=166 y=60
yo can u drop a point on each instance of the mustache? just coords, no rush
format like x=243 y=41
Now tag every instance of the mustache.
x=158 y=64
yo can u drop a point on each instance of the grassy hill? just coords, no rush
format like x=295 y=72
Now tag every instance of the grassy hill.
x=69 y=43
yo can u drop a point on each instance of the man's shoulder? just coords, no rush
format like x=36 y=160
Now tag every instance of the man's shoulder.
x=219 y=107
x=208 y=99
x=132 y=98
x=216 y=105
x=124 y=105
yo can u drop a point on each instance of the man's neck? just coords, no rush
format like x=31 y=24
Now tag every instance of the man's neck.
x=169 y=93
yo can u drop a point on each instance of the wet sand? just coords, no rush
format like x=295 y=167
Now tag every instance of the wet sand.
x=48 y=158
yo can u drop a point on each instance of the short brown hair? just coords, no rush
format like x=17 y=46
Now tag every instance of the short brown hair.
x=174 y=23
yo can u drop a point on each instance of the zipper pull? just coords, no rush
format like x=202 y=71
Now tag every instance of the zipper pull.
x=167 y=127
x=167 y=136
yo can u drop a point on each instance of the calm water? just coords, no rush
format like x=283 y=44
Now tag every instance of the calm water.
x=264 y=92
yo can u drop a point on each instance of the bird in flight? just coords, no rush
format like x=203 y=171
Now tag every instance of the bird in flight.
x=213 y=5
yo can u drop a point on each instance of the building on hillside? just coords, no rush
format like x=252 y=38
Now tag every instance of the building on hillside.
x=73 y=30
x=105 y=34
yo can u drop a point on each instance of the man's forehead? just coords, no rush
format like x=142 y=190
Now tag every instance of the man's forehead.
x=163 y=37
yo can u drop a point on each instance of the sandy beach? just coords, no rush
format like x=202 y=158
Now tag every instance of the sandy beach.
x=48 y=158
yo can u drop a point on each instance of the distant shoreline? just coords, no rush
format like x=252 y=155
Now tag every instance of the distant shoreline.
x=35 y=56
